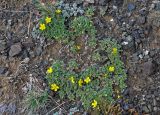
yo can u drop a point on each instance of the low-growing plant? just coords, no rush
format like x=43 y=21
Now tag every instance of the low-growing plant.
x=102 y=77
x=53 y=23
x=55 y=28
x=90 y=11
x=83 y=25
x=35 y=100
x=90 y=84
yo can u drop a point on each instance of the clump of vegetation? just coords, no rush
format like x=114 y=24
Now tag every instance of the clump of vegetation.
x=83 y=25
x=54 y=27
x=53 y=22
x=102 y=77
x=91 y=84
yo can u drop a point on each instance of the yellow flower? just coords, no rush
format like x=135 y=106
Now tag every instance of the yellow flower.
x=54 y=87
x=118 y=96
x=105 y=75
x=42 y=27
x=114 y=50
x=80 y=82
x=94 y=104
x=48 y=20
x=111 y=69
x=58 y=11
x=72 y=79
x=87 y=80
x=78 y=47
x=50 y=70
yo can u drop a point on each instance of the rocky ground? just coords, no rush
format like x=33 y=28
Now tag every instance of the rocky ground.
x=25 y=56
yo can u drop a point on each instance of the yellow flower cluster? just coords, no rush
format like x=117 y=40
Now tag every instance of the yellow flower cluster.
x=42 y=26
x=86 y=80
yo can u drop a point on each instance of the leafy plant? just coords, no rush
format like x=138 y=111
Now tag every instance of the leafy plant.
x=83 y=25
x=90 y=11
x=93 y=83
x=56 y=28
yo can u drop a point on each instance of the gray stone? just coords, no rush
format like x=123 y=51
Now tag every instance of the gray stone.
x=148 y=68
x=148 y=96
x=140 y=56
x=143 y=11
x=132 y=22
x=142 y=20
x=103 y=10
x=15 y=49
x=131 y=6
x=126 y=107
x=118 y=2
x=89 y=1
x=152 y=53
x=38 y=50
x=11 y=108
x=128 y=43
x=157 y=6
x=145 y=109
x=135 y=34
x=3 y=70
x=135 y=57
x=150 y=107
x=154 y=102
x=2 y=46
x=3 y=108
x=155 y=108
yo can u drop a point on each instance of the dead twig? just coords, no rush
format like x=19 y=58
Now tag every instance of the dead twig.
x=29 y=24
x=56 y=108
